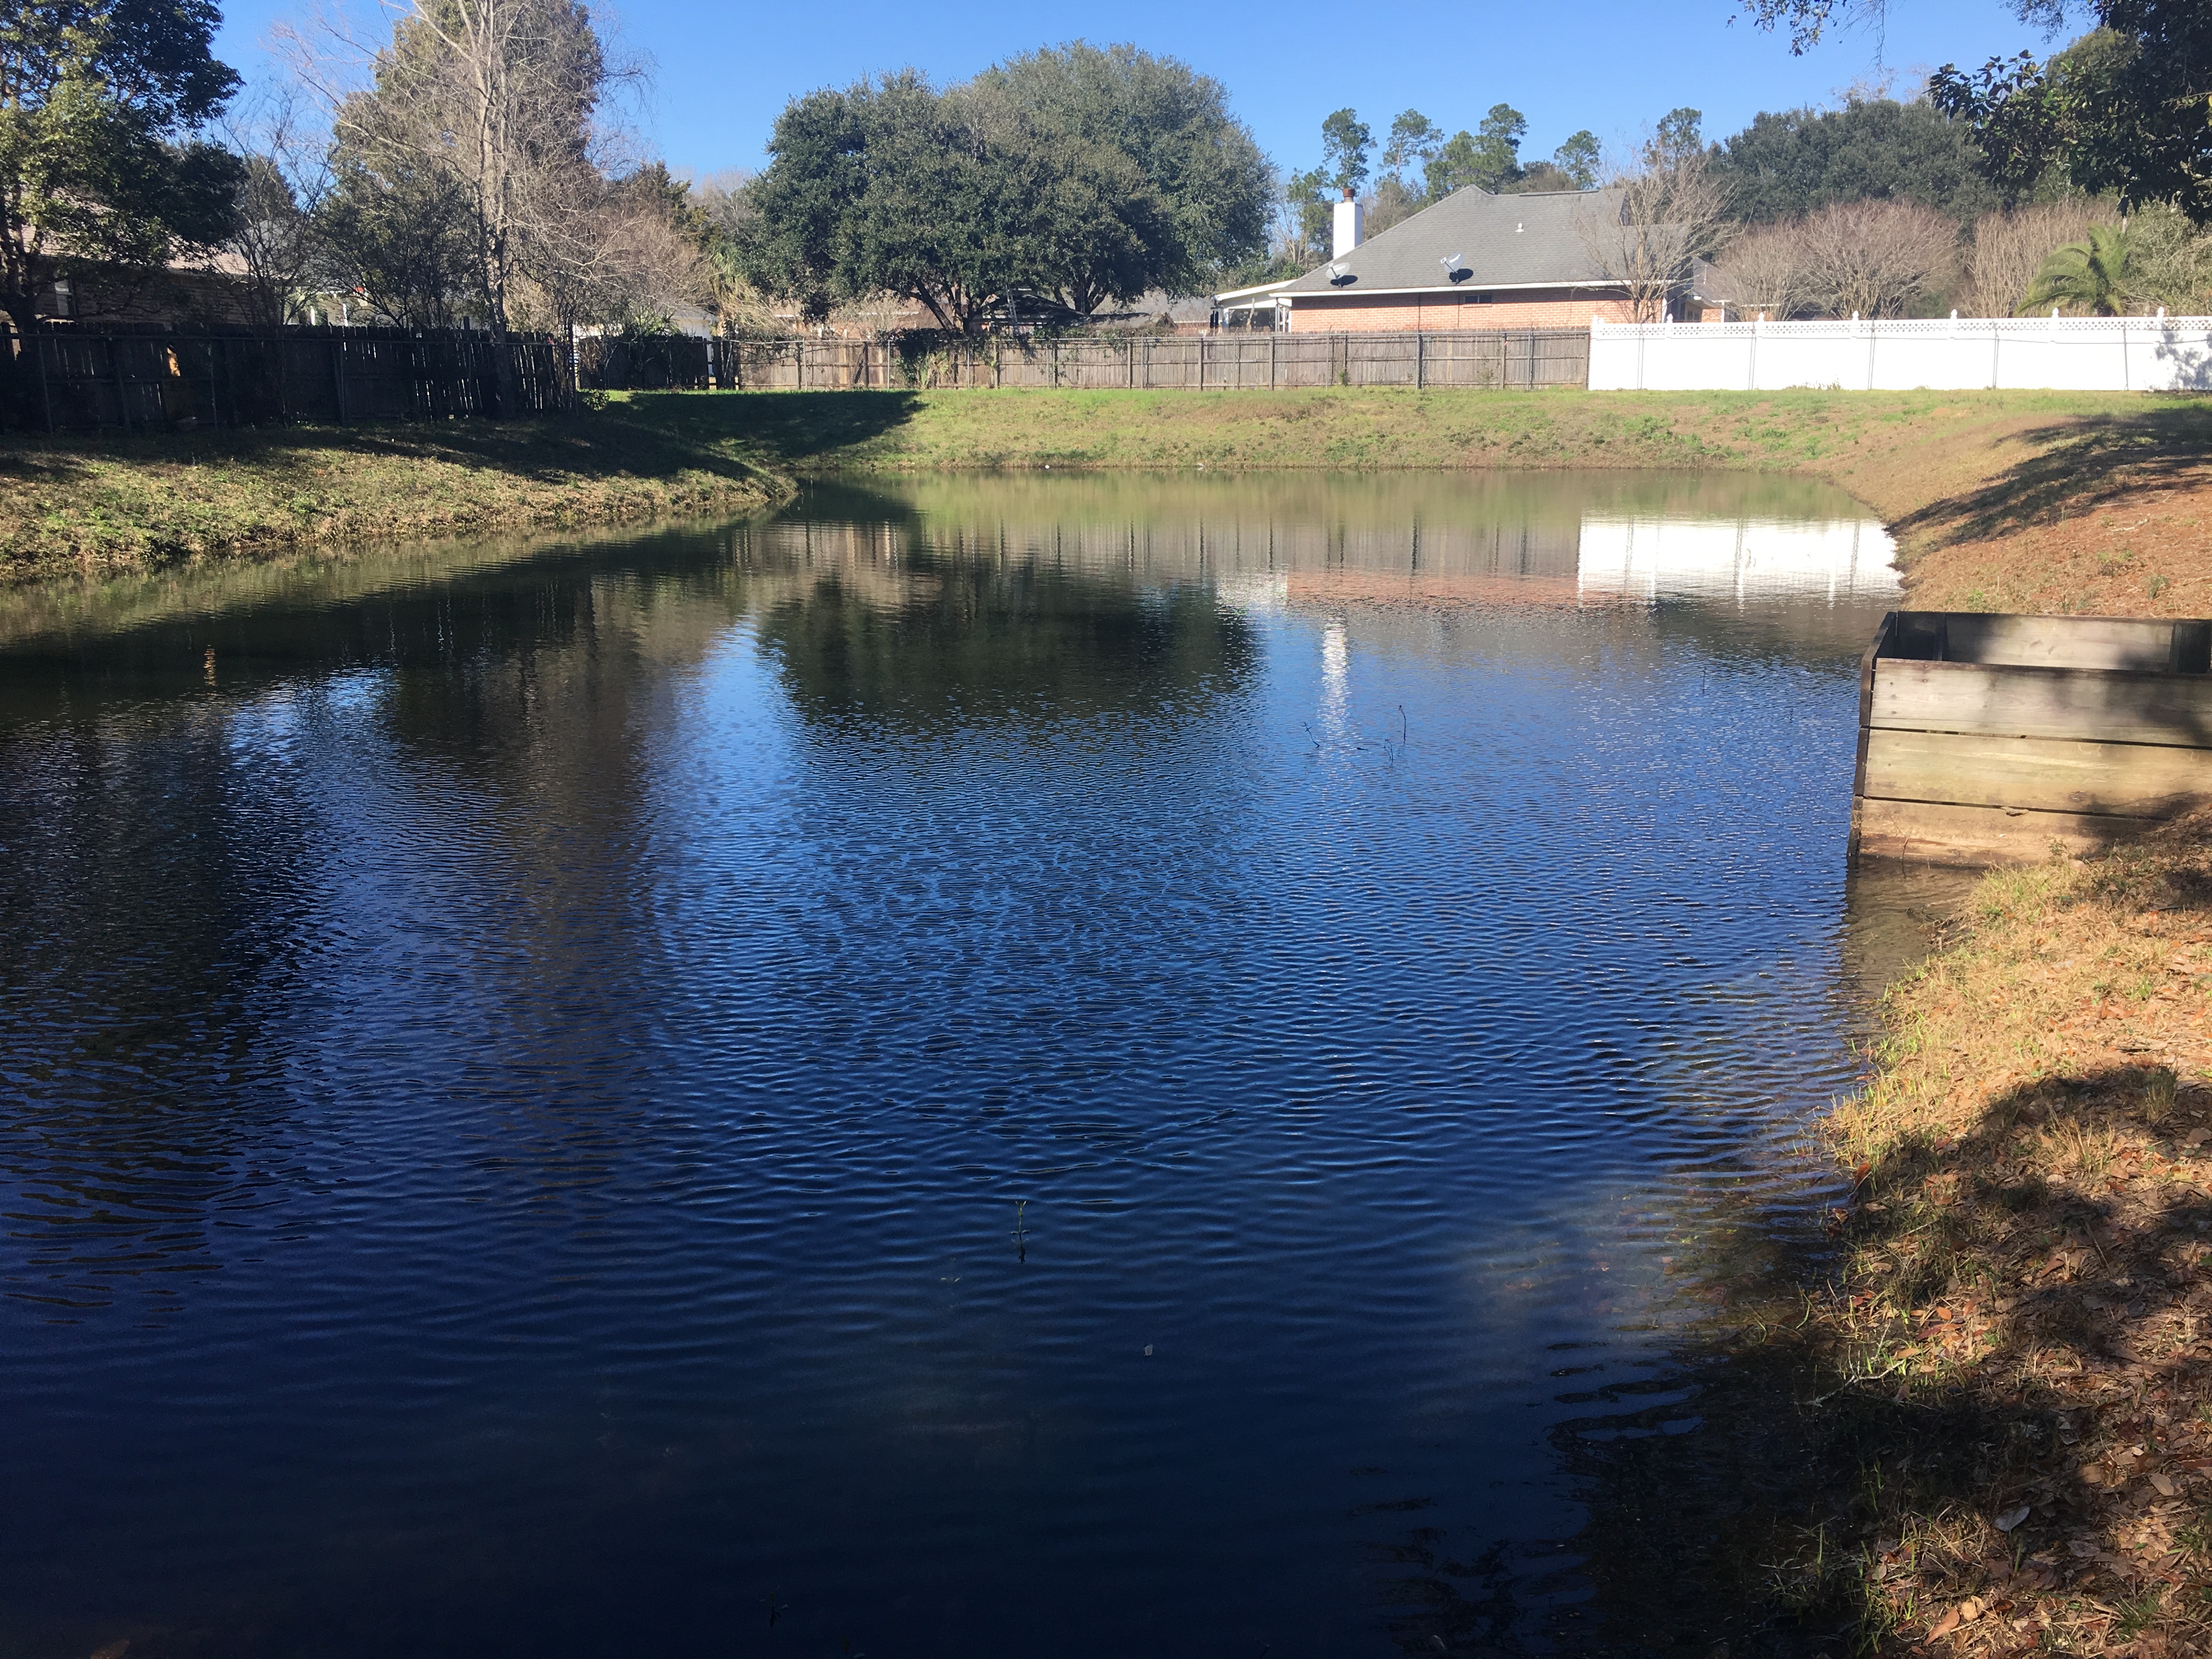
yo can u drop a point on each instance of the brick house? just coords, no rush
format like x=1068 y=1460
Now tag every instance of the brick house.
x=1472 y=261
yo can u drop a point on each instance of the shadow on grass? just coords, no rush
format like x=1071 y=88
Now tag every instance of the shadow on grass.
x=649 y=434
x=796 y=428
x=2082 y=465
x=2028 y=1301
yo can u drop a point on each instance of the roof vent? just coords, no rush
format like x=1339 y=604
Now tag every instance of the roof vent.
x=1517 y=229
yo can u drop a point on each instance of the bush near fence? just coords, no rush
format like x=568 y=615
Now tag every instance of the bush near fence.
x=64 y=377
x=646 y=362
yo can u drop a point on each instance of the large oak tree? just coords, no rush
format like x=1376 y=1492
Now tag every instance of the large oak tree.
x=1075 y=175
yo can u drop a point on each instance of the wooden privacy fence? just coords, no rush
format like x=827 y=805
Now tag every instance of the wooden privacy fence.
x=64 y=379
x=1210 y=362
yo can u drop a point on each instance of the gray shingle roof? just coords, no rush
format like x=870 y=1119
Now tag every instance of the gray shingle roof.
x=1504 y=241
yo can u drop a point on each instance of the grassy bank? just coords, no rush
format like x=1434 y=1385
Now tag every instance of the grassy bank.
x=129 y=501
x=2025 y=1315
x=2009 y=501
x=2026 y=501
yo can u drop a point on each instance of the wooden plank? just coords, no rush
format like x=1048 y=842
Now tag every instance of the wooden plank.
x=2043 y=702
x=1982 y=837
x=2037 y=774
x=1868 y=675
x=2060 y=642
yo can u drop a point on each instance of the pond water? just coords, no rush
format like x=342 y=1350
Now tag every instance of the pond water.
x=991 y=1066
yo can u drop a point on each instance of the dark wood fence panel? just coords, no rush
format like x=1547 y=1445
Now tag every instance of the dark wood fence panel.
x=648 y=362
x=64 y=379
x=1212 y=363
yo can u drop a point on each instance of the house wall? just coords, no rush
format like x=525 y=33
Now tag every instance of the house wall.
x=1349 y=313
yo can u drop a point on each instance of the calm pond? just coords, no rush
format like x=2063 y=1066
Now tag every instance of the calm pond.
x=986 y=1067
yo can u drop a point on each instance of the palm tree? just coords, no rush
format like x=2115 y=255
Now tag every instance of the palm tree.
x=2087 y=276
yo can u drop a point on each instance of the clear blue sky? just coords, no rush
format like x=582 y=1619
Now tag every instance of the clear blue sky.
x=722 y=73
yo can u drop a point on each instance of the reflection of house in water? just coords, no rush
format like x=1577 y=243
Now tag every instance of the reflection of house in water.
x=1436 y=543
x=1704 y=558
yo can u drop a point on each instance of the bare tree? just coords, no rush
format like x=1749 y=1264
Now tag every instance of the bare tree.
x=1653 y=220
x=2010 y=249
x=497 y=98
x=1874 y=258
x=277 y=232
x=1764 y=272
x=636 y=254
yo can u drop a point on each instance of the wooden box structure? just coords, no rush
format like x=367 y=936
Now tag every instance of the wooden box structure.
x=1985 y=739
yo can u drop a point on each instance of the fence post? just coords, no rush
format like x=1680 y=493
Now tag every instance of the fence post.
x=1201 y=362
x=122 y=394
x=1270 y=359
x=46 y=401
x=1420 y=359
x=337 y=375
x=1130 y=345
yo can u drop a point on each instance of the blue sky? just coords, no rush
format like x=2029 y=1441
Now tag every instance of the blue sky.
x=722 y=73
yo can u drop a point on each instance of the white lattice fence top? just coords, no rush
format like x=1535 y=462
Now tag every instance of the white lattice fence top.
x=1929 y=328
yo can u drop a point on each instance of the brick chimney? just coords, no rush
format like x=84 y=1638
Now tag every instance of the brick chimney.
x=1351 y=228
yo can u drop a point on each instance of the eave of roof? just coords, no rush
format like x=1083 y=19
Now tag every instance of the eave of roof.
x=1353 y=291
x=1257 y=288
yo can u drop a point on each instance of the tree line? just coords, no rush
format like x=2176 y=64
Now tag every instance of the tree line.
x=474 y=174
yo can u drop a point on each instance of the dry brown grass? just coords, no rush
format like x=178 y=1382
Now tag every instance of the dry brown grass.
x=2027 y=1296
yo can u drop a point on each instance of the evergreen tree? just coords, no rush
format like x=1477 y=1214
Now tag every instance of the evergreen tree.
x=1785 y=164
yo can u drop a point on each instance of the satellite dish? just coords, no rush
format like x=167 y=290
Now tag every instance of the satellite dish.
x=1337 y=270
x=1451 y=261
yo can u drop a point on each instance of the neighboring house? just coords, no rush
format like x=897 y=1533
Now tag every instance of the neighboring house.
x=1472 y=261
x=1162 y=311
x=184 y=295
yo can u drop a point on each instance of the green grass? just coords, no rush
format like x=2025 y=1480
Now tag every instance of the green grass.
x=1351 y=428
x=124 y=500
x=93 y=502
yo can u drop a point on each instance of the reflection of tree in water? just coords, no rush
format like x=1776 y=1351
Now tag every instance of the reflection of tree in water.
x=529 y=713
x=457 y=772
x=150 y=904
x=947 y=637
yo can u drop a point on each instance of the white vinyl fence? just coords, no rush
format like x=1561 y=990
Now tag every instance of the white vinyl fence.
x=2059 y=354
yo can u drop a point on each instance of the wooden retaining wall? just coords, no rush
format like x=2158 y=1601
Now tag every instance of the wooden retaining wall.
x=1987 y=739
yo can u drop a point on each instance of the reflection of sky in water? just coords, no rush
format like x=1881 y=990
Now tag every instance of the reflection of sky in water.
x=522 y=1083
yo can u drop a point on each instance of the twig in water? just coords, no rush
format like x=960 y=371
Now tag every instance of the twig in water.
x=1021 y=1238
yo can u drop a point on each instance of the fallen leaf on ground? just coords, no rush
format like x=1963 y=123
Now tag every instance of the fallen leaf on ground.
x=2164 y=1482
x=2012 y=1518
x=1944 y=1625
